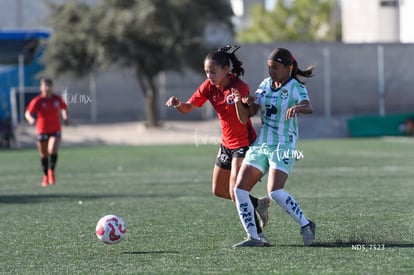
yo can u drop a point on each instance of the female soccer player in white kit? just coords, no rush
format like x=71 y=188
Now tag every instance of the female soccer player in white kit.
x=280 y=98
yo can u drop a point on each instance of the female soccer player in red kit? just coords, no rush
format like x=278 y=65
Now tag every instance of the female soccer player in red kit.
x=44 y=111
x=237 y=133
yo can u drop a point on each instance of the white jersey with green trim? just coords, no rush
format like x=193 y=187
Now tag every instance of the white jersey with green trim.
x=274 y=104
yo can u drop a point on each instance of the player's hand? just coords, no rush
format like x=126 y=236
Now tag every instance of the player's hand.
x=292 y=112
x=31 y=121
x=236 y=95
x=172 y=102
x=249 y=100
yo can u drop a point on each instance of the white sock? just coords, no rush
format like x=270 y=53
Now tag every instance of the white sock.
x=246 y=211
x=288 y=203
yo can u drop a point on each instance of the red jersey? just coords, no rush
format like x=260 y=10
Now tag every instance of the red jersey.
x=235 y=134
x=47 y=111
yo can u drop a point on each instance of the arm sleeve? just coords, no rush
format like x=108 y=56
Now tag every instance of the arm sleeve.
x=32 y=107
x=62 y=103
x=244 y=89
x=200 y=95
x=260 y=92
x=301 y=93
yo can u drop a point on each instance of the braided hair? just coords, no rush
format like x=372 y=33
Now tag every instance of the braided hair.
x=224 y=55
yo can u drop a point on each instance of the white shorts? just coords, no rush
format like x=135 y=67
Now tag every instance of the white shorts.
x=279 y=157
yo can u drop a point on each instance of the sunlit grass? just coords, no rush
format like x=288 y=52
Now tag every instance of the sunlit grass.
x=359 y=192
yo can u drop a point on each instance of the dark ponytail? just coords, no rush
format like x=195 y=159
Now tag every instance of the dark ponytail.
x=304 y=73
x=224 y=55
x=285 y=57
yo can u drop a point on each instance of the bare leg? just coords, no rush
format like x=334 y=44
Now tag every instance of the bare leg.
x=221 y=182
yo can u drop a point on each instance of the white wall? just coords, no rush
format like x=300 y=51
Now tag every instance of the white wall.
x=407 y=21
x=369 y=22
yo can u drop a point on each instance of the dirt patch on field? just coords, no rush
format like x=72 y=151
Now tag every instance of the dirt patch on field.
x=172 y=132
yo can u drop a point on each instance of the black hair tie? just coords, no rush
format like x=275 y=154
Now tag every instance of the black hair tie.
x=229 y=49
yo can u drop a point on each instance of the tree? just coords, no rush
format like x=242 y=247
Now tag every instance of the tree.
x=151 y=36
x=291 y=20
x=75 y=48
x=157 y=35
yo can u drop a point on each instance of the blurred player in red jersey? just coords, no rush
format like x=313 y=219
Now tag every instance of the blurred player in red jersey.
x=44 y=111
x=220 y=88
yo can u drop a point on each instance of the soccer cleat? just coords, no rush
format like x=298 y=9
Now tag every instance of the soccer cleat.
x=308 y=233
x=264 y=239
x=262 y=210
x=51 y=176
x=249 y=242
x=45 y=181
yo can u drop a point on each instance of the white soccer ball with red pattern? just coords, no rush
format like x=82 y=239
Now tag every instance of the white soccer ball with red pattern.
x=110 y=229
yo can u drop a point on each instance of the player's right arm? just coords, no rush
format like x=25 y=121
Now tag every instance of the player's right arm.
x=30 y=110
x=29 y=118
x=182 y=107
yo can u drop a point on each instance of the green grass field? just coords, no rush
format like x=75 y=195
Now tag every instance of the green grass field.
x=359 y=192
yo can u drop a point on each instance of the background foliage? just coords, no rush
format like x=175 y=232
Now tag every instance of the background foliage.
x=150 y=36
x=298 y=20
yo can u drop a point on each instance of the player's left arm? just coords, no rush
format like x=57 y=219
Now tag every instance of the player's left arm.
x=64 y=111
x=65 y=116
x=241 y=110
x=304 y=107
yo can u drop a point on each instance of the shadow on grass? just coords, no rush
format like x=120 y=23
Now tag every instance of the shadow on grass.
x=359 y=245
x=149 y=252
x=40 y=198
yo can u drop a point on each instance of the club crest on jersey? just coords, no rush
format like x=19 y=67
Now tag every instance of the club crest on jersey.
x=284 y=94
x=230 y=99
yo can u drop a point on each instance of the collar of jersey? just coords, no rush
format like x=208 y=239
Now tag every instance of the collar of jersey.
x=276 y=90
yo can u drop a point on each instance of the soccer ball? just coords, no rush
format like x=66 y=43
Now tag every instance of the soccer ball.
x=110 y=229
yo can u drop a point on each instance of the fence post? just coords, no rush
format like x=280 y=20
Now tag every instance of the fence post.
x=327 y=81
x=381 y=84
x=21 y=87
